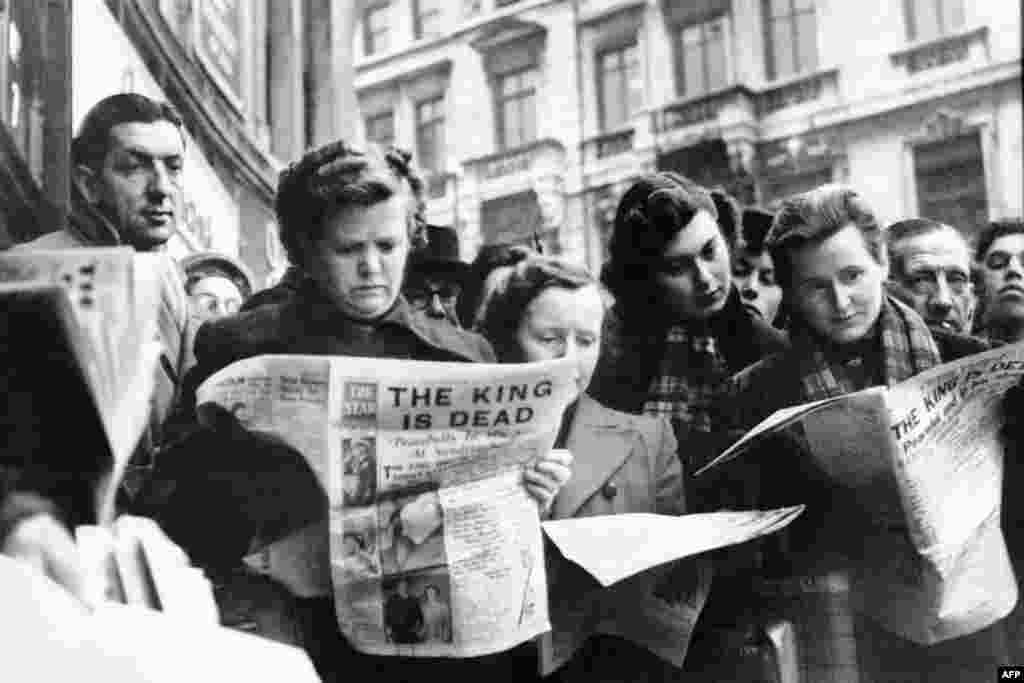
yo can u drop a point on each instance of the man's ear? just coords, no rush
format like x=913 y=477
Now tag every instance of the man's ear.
x=87 y=181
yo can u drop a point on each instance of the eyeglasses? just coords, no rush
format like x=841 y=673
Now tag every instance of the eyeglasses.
x=213 y=305
x=420 y=297
x=997 y=260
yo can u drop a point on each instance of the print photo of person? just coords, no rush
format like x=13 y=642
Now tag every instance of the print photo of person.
x=411 y=534
x=359 y=470
x=356 y=555
x=417 y=607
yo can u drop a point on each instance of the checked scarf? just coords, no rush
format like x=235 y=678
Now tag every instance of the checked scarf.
x=907 y=346
x=689 y=377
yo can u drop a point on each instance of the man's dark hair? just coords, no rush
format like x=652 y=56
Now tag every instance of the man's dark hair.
x=908 y=229
x=995 y=230
x=92 y=143
x=336 y=176
x=649 y=216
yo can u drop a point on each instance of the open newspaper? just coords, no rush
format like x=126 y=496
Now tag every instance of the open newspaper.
x=79 y=339
x=108 y=317
x=925 y=458
x=435 y=547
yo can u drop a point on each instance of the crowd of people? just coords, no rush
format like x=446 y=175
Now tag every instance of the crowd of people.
x=705 y=319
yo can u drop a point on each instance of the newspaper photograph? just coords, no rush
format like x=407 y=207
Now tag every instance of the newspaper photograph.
x=924 y=457
x=435 y=546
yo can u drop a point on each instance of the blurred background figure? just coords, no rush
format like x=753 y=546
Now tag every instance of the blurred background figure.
x=1000 y=259
x=753 y=270
x=217 y=284
x=490 y=257
x=435 y=275
x=930 y=271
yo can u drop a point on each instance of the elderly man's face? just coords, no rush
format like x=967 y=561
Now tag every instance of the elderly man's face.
x=1002 y=272
x=360 y=259
x=931 y=273
x=139 y=185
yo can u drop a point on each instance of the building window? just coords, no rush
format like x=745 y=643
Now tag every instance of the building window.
x=791 y=37
x=619 y=85
x=701 y=54
x=426 y=18
x=516 y=106
x=375 y=29
x=927 y=19
x=430 y=134
x=381 y=129
x=950 y=179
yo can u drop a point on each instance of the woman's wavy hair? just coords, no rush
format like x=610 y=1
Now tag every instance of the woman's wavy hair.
x=335 y=177
x=811 y=218
x=510 y=288
x=649 y=216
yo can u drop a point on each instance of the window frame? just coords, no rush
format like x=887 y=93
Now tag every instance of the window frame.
x=623 y=72
x=434 y=11
x=793 y=16
x=437 y=123
x=680 y=52
x=941 y=8
x=501 y=99
x=370 y=122
x=370 y=42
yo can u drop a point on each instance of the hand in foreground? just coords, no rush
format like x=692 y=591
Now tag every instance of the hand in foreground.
x=545 y=477
x=41 y=541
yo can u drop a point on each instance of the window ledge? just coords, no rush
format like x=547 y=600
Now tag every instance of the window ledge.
x=694 y=109
x=936 y=52
x=806 y=87
x=609 y=144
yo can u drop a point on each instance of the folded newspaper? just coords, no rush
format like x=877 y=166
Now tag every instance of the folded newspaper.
x=926 y=459
x=106 y=303
x=432 y=547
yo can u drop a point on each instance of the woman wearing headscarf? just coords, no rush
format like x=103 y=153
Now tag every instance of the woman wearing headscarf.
x=541 y=308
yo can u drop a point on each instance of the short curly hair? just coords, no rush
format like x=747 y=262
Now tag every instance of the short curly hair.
x=814 y=216
x=510 y=288
x=336 y=176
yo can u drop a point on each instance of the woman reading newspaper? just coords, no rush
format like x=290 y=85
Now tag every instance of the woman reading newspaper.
x=348 y=219
x=847 y=335
x=538 y=308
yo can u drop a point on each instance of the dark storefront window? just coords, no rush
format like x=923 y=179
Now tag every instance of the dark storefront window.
x=950 y=178
x=516 y=219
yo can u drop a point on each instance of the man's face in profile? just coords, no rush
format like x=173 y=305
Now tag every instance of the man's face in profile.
x=931 y=273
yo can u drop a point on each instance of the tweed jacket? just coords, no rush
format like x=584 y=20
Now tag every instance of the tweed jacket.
x=622 y=463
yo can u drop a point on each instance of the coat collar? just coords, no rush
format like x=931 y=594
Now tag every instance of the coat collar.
x=600 y=441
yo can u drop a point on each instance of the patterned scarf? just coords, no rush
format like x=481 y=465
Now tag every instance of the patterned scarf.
x=907 y=349
x=689 y=377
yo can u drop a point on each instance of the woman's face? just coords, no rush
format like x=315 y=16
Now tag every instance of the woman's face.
x=754 y=275
x=1002 y=274
x=837 y=286
x=564 y=323
x=214 y=297
x=360 y=259
x=694 y=269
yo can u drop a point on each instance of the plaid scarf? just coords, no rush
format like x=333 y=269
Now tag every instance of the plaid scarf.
x=907 y=349
x=689 y=377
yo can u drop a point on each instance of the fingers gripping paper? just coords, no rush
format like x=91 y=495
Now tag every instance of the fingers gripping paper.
x=435 y=545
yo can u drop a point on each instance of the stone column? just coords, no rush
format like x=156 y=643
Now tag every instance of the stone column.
x=348 y=123
x=287 y=94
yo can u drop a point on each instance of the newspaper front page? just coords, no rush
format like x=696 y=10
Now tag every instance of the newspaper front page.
x=435 y=547
x=924 y=457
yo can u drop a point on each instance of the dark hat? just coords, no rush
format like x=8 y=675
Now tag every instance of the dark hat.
x=728 y=214
x=440 y=255
x=756 y=224
x=215 y=263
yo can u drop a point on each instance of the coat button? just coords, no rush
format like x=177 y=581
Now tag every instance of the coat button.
x=610 y=490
